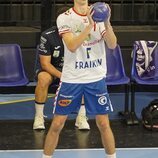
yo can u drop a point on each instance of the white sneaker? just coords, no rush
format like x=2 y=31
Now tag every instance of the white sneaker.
x=39 y=122
x=81 y=123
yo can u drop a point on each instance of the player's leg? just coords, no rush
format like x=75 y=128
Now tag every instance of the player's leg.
x=52 y=137
x=97 y=102
x=68 y=100
x=107 y=136
x=41 y=91
x=81 y=119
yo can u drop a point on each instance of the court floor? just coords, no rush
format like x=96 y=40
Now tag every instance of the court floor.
x=19 y=140
x=82 y=153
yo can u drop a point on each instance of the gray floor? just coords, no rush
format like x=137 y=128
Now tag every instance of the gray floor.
x=17 y=139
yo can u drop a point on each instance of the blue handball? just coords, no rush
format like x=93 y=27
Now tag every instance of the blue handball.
x=101 y=12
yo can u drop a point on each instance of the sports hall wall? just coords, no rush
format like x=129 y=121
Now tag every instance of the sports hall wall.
x=21 y=21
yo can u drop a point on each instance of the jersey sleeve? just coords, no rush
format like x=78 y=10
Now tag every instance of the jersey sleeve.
x=63 y=23
x=44 y=46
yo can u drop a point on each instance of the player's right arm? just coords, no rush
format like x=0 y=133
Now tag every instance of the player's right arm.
x=72 y=41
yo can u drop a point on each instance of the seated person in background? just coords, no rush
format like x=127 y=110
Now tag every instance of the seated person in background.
x=50 y=63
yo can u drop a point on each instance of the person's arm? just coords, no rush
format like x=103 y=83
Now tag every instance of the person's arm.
x=73 y=42
x=45 y=50
x=109 y=36
x=48 y=67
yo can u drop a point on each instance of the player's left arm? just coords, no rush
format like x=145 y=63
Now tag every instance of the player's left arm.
x=48 y=67
x=109 y=36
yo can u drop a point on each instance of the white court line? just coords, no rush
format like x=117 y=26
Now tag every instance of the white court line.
x=100 y=149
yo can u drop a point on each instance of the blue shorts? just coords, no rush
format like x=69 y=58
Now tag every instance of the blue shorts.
x=96 y=98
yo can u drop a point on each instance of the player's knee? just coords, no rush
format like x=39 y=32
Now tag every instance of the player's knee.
x=103 y=125
x=57 y=126
x=44 y=80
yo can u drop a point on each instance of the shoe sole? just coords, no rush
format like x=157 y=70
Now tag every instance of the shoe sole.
x=84 y=129
x=40 y=128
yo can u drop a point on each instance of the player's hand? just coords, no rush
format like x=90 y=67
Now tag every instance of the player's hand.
x=107 y=22
x=90 y=13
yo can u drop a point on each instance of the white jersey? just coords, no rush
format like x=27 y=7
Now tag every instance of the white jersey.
x=88 y=63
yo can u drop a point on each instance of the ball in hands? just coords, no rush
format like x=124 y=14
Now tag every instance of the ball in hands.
x=101 y=12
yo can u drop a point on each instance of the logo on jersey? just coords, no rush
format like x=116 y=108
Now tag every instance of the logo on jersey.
x=88 y=64
x=57 y=47
x=64 y=102
x=42 y=44
x=67 y=12
x=56 y=52
x=78 y=30
x=85 y=20
x=43 y=40
x=102 y=100
x=42 y=48
x=49 y=32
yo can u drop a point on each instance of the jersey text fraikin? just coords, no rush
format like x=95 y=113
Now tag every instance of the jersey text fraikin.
x=88 y=64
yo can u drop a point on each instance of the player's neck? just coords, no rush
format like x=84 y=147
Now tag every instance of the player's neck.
x=81 y=9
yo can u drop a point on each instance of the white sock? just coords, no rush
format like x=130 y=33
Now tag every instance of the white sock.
x=46 y=156
x=82 y=111
x=39 y=109
x=111 y=156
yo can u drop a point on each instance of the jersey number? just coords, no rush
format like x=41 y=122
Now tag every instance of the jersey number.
x=88 y=52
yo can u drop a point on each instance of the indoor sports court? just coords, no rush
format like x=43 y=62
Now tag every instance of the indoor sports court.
x=21 y=24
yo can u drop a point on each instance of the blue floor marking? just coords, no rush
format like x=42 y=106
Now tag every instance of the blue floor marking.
x=82 y=153
x=21 y=109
